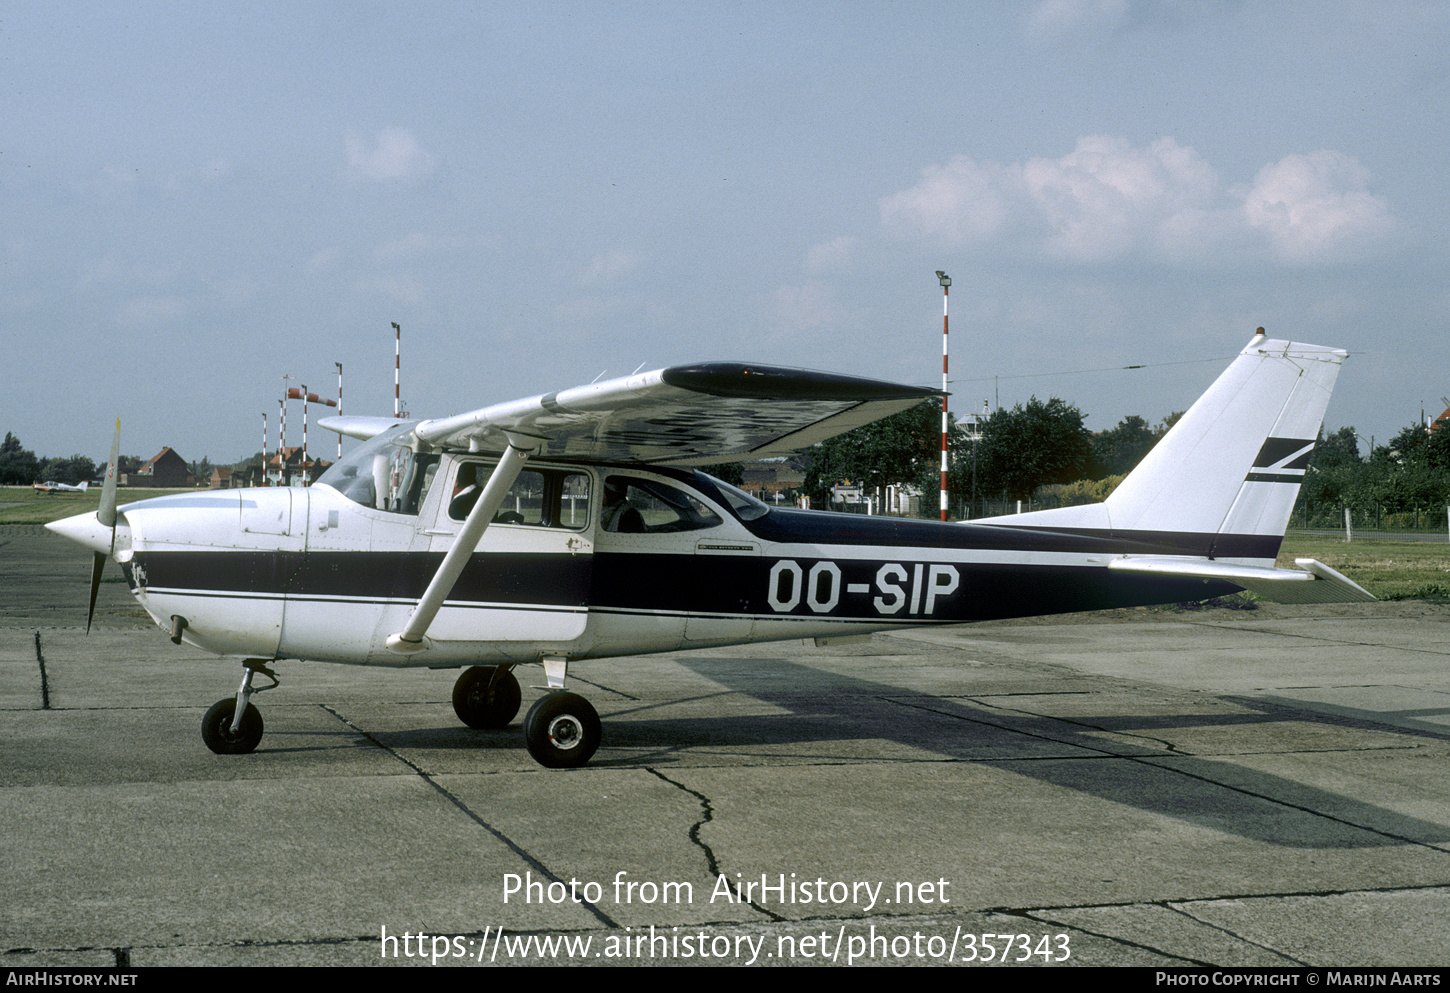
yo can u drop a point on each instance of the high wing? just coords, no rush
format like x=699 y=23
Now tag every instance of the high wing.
x=682 y=415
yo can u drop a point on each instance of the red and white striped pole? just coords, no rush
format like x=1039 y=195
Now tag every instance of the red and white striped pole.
x=306 y=475
x=282 y=437
x=946 y=281
x=397 y=362
x=339 y=407
x=264 y=448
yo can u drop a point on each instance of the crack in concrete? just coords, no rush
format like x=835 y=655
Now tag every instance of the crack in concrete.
x=712 y=864
x=468 y=812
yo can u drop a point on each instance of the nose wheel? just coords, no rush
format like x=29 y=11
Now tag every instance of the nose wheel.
x=233 y=726
x=217 y=732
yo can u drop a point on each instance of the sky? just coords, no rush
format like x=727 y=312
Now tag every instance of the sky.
x=197 y=200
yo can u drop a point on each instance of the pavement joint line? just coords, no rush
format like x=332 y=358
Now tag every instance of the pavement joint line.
x=602 y=687
x=1115 y=939
x=1151 y=760
x=707 y=814
x=1155 y=762
x=673 y=702
x=1102 y=752
x=1039 y=914
x=453 y=798
x=1222 y=626
x=44 y=681
x=1232 y=934
x=1170 y=902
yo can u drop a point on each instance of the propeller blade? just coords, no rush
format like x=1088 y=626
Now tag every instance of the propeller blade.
x=106 y=514
x=98 y=566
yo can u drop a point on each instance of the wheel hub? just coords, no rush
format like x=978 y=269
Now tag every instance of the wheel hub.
x=565 y=731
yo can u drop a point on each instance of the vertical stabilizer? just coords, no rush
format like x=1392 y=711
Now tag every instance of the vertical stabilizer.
x=1234 y=462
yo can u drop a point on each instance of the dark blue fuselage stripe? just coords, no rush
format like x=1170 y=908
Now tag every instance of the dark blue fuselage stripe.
x=822 y=528
x=873 y=589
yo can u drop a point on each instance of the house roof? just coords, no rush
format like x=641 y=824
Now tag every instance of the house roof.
x=157 y=458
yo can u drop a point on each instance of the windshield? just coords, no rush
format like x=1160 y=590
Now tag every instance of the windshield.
x=384 y=473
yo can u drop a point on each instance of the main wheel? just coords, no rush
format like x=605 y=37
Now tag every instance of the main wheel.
x=484 y=700
x=216 y=728
x=562 y=730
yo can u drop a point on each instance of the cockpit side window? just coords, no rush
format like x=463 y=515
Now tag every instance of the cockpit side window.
x=635 y=505
x=553 y=498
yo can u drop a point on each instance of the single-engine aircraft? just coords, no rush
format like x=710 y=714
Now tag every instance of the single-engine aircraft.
x=51 y=488
x=576 y=525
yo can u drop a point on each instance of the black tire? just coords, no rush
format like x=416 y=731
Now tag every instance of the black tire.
x=481 y=705
x=562 y=731
x=216 y=728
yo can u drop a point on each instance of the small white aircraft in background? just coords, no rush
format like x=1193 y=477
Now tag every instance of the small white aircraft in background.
x=52 y=488
x=575 y=526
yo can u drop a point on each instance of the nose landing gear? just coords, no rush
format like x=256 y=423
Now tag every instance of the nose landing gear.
x=233 y=726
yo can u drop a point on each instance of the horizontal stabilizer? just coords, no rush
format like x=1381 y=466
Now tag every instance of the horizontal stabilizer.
x=1318 y=584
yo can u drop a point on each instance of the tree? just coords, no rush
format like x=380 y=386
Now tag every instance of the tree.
x=1333 y=469
x=18 y=466
x=76 y=469
x=1031 y=445
x=729 y=472
x=1336 y=450
x=904 y=448
x=1117 y=451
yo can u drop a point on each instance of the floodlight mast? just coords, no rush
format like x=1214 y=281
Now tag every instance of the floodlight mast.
x=946 y=281
x=397 y=362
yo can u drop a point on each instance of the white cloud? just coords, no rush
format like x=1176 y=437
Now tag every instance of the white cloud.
x=1050 y=19
x=832 y=254
x=810 y=305
x=416 y=244
x=595 y=308
x=1106 y=197
x=322 y=261
x=1316 y=207
x=611 y=265
x=960 y=203
x=1107 y=200
x=395 y=154
x=142 y=312
x=401 y=287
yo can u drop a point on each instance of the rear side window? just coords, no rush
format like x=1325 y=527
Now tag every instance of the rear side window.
x=650 y=506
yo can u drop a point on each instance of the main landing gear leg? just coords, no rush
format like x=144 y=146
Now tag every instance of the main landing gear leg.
x=562 y=730
x=233 y=726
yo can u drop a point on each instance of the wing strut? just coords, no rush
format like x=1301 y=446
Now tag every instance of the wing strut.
x=412 y=638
